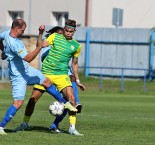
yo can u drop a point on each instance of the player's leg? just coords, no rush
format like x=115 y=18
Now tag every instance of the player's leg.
x=75 y=90
x=52 y=91
x=18 y=93
x=62 y=83
x=36 y=94
x=74 y=85
x=68 y=91
x=36 y=77
x=57 y=95
x=72 y=119
x=54 y=127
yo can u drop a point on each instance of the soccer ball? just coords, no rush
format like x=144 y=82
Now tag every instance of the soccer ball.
x=56 y=108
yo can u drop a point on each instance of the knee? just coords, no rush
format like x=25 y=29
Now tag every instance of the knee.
x=46 y=82
x=36 y=94
x=18 y=103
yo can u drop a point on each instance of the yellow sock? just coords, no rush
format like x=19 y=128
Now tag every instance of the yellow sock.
x=26 y=118
x=72 y=119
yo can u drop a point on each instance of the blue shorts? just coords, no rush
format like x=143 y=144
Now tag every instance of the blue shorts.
x=19 y=83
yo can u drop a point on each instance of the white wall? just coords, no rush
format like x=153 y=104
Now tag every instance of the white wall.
x=41 y=11
x=136 y=13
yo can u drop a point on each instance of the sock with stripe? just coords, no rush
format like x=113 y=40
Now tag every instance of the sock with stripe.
x=8 y=116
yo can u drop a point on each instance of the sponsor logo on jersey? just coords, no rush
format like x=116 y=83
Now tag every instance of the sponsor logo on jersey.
x=72 y=47
x=19 y=52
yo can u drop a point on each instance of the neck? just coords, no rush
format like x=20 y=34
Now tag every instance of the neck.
x=13 y=34
x=69 y=39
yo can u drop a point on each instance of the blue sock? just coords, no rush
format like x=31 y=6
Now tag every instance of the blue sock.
x=55 y=93
x=75 y=92
x=8 y=116
x=58 y=119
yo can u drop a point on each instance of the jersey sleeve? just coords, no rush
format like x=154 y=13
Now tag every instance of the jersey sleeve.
x=77 y=53
x=50 y=39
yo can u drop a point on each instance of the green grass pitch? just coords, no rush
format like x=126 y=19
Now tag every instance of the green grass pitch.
x=107 y=119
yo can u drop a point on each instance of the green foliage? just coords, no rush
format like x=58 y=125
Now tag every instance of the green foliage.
x=109 y=117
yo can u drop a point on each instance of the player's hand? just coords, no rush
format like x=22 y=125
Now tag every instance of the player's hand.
x=82 y=87
x=41 y=29
x=3 y=55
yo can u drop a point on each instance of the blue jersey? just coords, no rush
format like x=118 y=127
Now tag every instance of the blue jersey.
x=15 y=52
x=20 y=72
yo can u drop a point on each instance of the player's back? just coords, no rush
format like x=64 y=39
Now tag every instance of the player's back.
x=14 y=48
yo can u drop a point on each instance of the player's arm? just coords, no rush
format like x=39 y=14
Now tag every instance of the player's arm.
x=31 y=56
x=39 y=40
x=49 y=40
x=75 y=63
x=3 y=55
x=76 y=74
x=1 y=48
x=2 y=35
x=1 y=45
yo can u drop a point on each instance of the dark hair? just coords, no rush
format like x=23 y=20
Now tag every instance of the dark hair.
x=71 y=23
x=18 y=23
x=53 y=30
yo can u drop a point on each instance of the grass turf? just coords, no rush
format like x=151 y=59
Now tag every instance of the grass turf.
x=108 y=118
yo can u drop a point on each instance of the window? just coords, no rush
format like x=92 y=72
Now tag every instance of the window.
x=117 y=17
x=60 y=18
x=14 y=15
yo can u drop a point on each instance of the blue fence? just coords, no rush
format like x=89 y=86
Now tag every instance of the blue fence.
x=150 y=44
x=87 y=39
x=121 y=77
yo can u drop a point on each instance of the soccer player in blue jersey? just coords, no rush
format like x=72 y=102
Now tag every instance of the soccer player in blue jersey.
x=63 y=84
x=20 y=72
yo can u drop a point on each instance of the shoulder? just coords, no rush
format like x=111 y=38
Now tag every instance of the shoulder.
x=4 y=34
x=75 y=43
x=59 y=36
x=51 y=37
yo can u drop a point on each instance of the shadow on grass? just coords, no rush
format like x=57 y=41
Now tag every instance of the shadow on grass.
x=37 y=129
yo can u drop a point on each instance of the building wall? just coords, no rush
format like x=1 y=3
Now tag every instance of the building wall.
x=13 y=5
x=136 y=13
x=37 y=12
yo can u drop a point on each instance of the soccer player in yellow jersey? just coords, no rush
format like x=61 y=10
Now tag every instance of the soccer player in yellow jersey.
x=55 y=65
